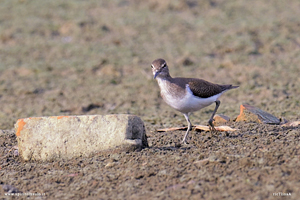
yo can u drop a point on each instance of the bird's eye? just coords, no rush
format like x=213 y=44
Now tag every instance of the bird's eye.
x=163 y=65
x=152 y=66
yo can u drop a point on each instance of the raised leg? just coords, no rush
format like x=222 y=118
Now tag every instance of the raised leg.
x=210 y=122
x=186 y=115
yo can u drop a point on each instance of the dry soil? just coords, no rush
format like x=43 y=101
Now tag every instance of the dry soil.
x=93 y=57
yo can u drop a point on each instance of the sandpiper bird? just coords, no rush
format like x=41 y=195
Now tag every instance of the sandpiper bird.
x=187 y=94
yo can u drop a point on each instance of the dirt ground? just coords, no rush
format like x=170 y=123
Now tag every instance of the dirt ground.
x=93 y=57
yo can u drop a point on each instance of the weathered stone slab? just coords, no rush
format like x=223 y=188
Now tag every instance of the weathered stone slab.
x=252 y=114
x=49 y=138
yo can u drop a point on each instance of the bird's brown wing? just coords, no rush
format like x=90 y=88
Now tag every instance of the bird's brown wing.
x=205 y=89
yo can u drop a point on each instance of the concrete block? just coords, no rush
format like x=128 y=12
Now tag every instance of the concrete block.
x=50 y=138
x=252 y=114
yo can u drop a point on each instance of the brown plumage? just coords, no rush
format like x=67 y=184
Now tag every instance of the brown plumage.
x=205 y=89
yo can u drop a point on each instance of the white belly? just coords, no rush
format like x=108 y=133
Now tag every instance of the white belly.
x=188 y=103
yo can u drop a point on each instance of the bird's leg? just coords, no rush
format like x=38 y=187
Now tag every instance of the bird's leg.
x=210 y=122
x=186 y=115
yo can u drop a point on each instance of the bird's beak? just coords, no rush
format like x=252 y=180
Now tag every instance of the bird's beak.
x=155 y=75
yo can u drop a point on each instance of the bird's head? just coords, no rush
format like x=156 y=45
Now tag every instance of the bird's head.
x=160 y=68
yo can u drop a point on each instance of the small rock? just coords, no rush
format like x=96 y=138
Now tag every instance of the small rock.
x=16 y=153
x=220 y=119
x=162 y=172
x=115 y=157
x=110 y=164
x=28 y=167
x=252 y=114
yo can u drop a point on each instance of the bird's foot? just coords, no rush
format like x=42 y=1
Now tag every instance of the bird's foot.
x=212 y=128
x=213 y=131
x=184 y=141
x=193 y=128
